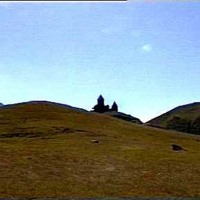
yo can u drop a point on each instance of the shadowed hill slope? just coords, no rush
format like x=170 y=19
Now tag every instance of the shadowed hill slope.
x=184 y=118
x=48 y=150
x=123 y=116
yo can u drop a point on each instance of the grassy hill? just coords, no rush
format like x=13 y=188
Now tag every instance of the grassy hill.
x=184 y=118
x=49 y=150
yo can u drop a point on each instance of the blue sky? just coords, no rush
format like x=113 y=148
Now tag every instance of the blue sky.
x=143 y=55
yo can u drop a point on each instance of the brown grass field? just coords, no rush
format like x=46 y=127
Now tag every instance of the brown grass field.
x=46 y=150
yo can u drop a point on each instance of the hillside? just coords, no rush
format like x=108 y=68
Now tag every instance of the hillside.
x=123 y=116
x=53 y=150
x=184 y=118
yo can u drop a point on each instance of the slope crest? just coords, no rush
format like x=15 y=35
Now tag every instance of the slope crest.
x=185 y=118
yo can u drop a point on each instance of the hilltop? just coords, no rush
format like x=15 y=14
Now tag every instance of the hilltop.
x=185 y=118
x=35 y=118
x=100 y=107
x=49 y=149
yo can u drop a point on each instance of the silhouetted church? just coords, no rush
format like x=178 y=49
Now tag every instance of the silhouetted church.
x=101 y=108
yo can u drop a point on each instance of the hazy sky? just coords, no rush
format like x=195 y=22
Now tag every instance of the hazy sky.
x=143 y=55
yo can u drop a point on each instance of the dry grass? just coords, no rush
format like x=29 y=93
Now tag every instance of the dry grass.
x=62 y=160
x=189 y=112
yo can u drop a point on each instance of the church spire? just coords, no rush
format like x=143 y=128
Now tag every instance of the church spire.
x=114 y=107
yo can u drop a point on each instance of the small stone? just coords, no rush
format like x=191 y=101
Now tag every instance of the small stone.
x=176 y=147
x=95 y=141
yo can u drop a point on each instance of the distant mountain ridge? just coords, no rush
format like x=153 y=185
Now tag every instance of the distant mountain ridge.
x=185 y=118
